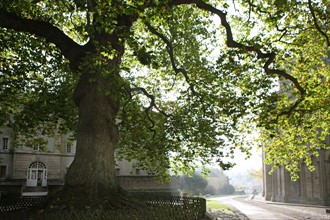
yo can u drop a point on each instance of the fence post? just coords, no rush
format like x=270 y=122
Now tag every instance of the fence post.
x=203 y=206
x=185 y=199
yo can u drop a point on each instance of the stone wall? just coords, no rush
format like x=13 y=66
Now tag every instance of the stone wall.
x=310 y=188
x=15 y=161
x=148 y=183
x=17 y=164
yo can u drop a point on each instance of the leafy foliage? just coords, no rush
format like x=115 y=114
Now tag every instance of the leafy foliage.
x=189 y=89
x=37 y=89
x=299 y=134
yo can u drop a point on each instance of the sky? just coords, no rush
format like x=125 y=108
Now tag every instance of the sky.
x=239 y=176
x=244 y=165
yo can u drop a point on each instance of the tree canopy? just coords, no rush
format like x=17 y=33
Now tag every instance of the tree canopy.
x=168 y=82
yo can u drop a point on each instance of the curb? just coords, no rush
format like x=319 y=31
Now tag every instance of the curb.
x=289 y=204
x=240 y=214
x=207 y=216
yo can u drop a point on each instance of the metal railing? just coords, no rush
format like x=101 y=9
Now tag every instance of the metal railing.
x=157 y=207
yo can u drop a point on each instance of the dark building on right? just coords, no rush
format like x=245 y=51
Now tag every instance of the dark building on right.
x=310 y=188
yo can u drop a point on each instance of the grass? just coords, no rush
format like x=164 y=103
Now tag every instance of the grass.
x=213 y=204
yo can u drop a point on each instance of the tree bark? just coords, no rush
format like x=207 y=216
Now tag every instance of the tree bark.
x=91 y=182
x=97 y=134
x=91 y=178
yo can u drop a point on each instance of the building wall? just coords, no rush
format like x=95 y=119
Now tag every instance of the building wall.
x=16 y=159
x=149 y=183
x=310 y=188
x=128 y=168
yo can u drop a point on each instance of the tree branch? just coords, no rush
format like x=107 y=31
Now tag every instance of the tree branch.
x=70 y=49
x=318 y=28
x=170 y=51
x=233 y=44
x=152 y=104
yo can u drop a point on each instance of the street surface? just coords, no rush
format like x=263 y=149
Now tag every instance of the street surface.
x=258 y=209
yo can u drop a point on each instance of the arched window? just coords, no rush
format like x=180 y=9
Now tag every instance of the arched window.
x=37 y=165
x=36 y=174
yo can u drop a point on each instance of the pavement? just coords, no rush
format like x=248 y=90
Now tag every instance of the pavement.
x=244 y=208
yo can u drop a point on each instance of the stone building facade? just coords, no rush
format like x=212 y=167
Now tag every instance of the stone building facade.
x=41 y=168
x=310 y=188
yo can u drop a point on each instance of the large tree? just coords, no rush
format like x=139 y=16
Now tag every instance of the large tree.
x=167 y=82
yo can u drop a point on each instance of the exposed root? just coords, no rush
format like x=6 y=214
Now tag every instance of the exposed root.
x=71 y=199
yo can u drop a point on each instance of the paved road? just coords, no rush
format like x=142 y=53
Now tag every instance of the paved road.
x=257 y=209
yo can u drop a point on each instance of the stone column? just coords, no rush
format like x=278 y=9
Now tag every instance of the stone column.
x=302 y=192
x=274 y=185
x=286 y=185
x=322 y=176
x=267 y=180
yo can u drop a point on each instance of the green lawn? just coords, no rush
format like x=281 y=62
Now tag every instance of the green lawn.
x=213 y=204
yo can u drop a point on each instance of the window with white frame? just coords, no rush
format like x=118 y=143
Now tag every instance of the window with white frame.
x=69 y=148
x=36 y=147
x=5 y=143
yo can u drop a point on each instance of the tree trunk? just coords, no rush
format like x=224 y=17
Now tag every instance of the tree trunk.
x=91 y=178
x=94 y=164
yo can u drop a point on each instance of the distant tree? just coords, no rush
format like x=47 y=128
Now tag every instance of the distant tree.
x=210 y=190
x=218 y=183
x=195 y=184
x=256 y=174
x=214 y=172
x=227 y=189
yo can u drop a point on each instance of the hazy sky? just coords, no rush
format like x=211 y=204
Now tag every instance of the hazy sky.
x=244 y=165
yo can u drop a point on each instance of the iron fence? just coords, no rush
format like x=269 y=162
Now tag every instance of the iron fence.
x=157 y=208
